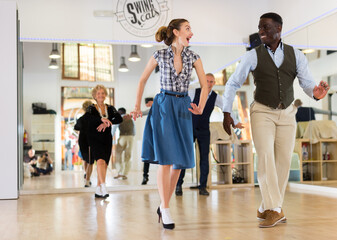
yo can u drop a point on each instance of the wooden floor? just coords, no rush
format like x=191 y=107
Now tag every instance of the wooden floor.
x=225 y=214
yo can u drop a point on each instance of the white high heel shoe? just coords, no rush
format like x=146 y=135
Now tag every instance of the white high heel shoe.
x=104 y=191
x=98 y=192
x=165 y=216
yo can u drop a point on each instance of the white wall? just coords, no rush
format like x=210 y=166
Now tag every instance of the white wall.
x=8 y=96
x=217 y=21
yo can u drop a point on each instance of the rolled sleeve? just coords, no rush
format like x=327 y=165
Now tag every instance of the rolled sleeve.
x=248 y=63
x=156 y=56
x=195 y=57
x=306 y=81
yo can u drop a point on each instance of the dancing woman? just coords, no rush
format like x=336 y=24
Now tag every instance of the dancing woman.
x=101 y=117
x=168 y=133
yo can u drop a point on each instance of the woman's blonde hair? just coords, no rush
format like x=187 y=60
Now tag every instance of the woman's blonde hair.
x=86 y=104
x=166 y=33
x=98 y=87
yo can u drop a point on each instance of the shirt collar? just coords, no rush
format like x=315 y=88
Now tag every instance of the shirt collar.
x=280 y=46
x=185 y=51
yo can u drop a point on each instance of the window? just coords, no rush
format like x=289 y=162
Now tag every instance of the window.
x=87 y=62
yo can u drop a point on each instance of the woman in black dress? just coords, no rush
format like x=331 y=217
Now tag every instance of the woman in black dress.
x=100 y=118
x=82 y=126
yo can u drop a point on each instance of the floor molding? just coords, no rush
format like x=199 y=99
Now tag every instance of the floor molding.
x=313 y=189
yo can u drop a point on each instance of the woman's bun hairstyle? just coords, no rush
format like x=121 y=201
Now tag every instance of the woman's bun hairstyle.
x=166 y=33
x=161 y=34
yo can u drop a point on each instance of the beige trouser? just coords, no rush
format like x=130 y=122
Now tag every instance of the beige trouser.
x=273 y=133
x=124 y=144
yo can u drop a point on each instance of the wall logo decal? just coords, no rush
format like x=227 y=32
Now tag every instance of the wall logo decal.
x=142 y=18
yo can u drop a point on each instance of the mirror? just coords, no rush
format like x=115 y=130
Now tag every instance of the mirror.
x=42 y=84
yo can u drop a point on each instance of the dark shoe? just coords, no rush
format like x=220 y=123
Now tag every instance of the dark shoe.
x=85 y=176
x=145 y=180
x=195 y=187
x=203 y=191
x=179 y=190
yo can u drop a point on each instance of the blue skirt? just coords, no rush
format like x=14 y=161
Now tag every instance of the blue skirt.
x=168 y=133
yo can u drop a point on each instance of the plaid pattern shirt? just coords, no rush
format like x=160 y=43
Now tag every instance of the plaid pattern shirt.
x=169 y=79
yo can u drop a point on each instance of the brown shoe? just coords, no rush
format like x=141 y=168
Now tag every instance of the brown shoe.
x=272 y=218
x=262 y=216
x=118 y=176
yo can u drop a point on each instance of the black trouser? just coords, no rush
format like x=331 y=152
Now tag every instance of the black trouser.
x=146 y=170
x=203 y=138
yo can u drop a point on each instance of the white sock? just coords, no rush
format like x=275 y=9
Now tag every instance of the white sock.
x=98 y=190
x=103 y=189
x=277 y=209
x=261 y=210
x=166 y=216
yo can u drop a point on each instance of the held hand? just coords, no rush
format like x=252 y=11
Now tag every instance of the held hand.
x=106 y=122
x=127 y=117
x=195 y=109
x=227 y=122
x=101 y=127
x=136 y=113
x=321 y=90
x=239 y=125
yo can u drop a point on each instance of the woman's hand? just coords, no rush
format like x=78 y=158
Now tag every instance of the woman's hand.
x=239 y=125
x=136 y=113
x=106 y=122
x=321 y=90
x=195 y=109
x=101 y=127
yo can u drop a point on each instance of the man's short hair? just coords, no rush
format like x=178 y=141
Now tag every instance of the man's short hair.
x=148 y=99
x=276 y=18
x=210 y=74
x=122 y=110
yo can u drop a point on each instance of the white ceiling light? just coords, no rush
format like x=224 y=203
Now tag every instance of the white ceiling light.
x=103 y=13
x=54 y=52
x=309 y=50
x=53 y=64
x=123 y=67
x=134 y=57
x=146 y=45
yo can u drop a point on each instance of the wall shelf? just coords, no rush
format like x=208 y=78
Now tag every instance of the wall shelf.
x=43 y=133
x=317 y=168
x=231 y=165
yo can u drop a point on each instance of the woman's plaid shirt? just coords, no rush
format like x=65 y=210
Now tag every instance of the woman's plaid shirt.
x=169 y=79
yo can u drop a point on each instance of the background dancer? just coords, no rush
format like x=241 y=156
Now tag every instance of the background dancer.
x=101 y=117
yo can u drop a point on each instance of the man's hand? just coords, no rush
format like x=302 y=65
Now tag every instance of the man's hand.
x=321 y=90
x=227 y=122
x=126 y=117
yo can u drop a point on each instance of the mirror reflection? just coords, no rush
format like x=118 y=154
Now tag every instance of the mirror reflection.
x=56 y=88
